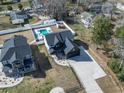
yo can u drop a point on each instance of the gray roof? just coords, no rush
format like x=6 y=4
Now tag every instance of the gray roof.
x=61 y=36
x=56 y=40
x=69 y=46
x=18 y=15
x=15 y=48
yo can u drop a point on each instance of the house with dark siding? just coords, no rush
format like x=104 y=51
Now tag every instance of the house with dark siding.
x=16 y=56
x=18 y=17
x=61 y=44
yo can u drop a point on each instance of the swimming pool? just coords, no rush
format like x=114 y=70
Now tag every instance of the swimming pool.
x=40 y=33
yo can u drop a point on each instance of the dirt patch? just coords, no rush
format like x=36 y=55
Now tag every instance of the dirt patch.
x=108 y=85
x=27 y=34
x=47 y=76
x=5 y=23
x=62 y=76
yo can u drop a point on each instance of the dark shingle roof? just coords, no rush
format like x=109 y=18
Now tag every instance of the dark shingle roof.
x=15 y=48
x=56 y=40
x=18 y=15
x=61 y=36
x=69 y=46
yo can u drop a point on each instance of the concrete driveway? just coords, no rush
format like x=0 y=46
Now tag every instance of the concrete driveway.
x=87 y=71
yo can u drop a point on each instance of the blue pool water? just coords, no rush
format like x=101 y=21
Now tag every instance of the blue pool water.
x=44 y=31
x=41 y=32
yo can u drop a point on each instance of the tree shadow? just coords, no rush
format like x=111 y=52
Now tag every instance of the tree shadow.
x=41 y=62
x=82 y=43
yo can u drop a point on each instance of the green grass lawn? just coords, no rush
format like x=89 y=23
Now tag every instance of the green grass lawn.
x=77 y=27
x=33 y=20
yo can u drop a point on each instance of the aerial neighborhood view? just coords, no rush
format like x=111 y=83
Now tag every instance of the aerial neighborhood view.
x=61 y=46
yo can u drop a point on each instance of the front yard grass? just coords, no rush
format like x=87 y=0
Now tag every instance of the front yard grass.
x=33 y=20
x=77 y=27
x=31 y=85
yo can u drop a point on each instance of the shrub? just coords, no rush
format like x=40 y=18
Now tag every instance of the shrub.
x=114 y=65
x=121 y=75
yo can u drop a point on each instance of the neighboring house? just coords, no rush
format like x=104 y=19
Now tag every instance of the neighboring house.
x=96 y=7
x=35 y=4
x=61 y=44
x=120 y=6
x=86 y=19
x=16 y=56
x=18 y=17
x=99 y=7
x=108 y=7
x=88 y=1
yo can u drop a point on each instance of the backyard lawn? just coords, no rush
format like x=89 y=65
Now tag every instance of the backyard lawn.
x=47 y=76
x=31 y=85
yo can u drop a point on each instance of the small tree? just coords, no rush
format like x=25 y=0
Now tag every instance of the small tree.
x=20 y=6
x=9 y=8
x=102 y=30
x=114 y=65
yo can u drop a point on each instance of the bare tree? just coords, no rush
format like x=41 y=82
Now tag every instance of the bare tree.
x=56 y=8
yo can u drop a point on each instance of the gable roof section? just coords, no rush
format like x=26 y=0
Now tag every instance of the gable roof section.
x=18 y=15
x=56 y=41
x=69 y=46
x=61 y=36
x=66 y=34
x=15 y=48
